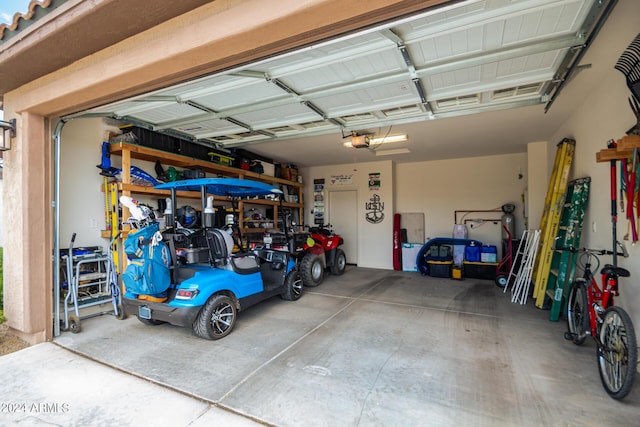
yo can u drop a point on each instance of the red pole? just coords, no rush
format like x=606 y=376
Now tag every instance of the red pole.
x=614 y=209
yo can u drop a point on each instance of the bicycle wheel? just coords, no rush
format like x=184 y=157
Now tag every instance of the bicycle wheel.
x=618 y=352
x=578 y=312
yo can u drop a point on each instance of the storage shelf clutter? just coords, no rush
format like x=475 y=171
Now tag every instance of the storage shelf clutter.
x=435 y=259
x=270 y=219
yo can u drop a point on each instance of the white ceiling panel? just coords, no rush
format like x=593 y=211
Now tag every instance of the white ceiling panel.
x=364 y=100
x=277 y=116
x=464 y=57
x=158 y=112
x=208 y=128
x=252 y=92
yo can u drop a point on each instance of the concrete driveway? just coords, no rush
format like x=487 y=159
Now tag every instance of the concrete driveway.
x=369 y=348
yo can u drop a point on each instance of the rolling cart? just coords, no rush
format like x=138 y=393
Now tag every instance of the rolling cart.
x=90 y=279
x=504 y=267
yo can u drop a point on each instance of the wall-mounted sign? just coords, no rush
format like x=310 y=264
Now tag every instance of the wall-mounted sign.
x=318 y=201
x=374 y=181
x=374 y=208
x=342 y=179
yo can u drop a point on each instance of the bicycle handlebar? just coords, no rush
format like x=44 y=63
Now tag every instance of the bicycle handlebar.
x=624 y=252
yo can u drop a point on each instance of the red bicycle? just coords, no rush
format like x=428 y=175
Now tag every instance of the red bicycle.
x=591 y=311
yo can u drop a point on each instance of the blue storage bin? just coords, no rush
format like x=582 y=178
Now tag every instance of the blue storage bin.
x=489 y=253
x=472 y=253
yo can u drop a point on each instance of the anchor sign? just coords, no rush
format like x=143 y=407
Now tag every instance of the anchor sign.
x=374 y=207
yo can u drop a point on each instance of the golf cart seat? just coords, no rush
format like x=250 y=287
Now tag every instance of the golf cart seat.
x=221 y=250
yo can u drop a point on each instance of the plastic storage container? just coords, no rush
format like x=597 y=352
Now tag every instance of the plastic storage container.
x=489 y=253
x=439 y=268
x=480 y=270
x=472 y=253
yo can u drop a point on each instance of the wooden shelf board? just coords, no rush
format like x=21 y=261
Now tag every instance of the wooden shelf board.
x=151 y=155
x=629 y=142
x=608 y=154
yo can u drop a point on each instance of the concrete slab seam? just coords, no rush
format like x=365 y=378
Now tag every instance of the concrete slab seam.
x=398 y=304
x=293 y=344
x=209 y=402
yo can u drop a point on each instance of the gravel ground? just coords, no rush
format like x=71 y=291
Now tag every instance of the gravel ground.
x=10 y=343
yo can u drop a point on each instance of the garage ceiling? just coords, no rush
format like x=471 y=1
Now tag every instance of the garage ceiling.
x=465 y=58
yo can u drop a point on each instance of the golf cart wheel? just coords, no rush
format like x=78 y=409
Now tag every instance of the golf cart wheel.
x=311 y=270
x=216 y=319
x=502 y=280
x=339 y=264
x=121 y=315
x=74 y=325
x=292 y=286
x=150 y=322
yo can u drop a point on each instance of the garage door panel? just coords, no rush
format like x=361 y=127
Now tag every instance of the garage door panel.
x=368 y=99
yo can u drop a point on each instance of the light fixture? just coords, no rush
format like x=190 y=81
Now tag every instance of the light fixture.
x=361 y=141
x=8 y=132
x=392 y=152
x=388 y=139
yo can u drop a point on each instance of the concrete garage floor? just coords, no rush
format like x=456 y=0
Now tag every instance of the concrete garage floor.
x=373 y=348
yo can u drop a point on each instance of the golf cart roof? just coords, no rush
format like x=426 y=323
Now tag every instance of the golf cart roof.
x=233 y=187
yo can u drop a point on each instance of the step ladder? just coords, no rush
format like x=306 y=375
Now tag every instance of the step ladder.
x=518 y=260
x=563 y=263
x=524 y=260
x=551 y=217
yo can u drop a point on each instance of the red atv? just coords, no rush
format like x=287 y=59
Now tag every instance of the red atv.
x=322 y=251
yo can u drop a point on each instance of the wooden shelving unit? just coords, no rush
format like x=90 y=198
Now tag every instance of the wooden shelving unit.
x=130 y=152
x=624 y=150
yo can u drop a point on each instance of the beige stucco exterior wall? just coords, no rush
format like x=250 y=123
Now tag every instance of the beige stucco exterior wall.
x=27 y=229
x=216 y=36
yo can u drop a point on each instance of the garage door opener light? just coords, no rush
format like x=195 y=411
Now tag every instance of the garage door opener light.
x=363 y=141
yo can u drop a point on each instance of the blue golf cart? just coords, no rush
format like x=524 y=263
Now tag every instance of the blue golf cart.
x=194 y=278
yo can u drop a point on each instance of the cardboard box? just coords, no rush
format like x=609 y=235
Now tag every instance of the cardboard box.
x=290 y=174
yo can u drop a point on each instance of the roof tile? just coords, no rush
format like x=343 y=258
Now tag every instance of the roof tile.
x=18 y=17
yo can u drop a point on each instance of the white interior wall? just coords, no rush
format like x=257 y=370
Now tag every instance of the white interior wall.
x=539 y=174
x=438 y=188
x=81 y=197
x=605 y=115
x=375 y=244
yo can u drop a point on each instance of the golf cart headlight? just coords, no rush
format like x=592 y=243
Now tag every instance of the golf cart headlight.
x=187 y=293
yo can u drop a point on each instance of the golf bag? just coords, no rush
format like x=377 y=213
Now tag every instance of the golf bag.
x=149 y=259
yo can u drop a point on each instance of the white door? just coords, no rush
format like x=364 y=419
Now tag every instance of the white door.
x=343 y=215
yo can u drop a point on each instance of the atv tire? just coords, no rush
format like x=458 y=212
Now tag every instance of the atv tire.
x=311 y=270
x=339 y=264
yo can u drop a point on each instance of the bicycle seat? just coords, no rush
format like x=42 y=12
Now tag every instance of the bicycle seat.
x=616 y=271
